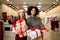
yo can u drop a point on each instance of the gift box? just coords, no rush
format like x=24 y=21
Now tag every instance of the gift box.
x=33 y=33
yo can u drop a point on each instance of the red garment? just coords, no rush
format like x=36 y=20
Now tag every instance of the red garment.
x=1 y=30
x=43 y=29
x=52 y=25
x=57 y=23
x=14 y=23
x=52 y=22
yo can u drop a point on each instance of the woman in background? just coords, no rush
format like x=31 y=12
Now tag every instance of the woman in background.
x=52 y=23
x=10 y=19
x=57 y=23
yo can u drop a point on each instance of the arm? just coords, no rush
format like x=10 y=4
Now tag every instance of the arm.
x=41 y=24
x=28 y=24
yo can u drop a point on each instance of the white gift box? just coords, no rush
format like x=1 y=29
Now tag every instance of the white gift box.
x=33 y=34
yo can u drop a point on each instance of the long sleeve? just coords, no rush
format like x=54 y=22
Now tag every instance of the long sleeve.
x=41 y=24
x=34 y=22
x=28 y=23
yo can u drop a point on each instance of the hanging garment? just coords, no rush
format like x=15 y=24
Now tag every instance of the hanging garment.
x=1 y=30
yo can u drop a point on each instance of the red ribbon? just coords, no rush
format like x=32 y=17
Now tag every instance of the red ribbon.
x=33 y=29
x=43 y=29
x=21 y=32
x=42 y=32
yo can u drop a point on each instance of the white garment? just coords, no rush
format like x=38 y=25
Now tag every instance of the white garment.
x=14 y=30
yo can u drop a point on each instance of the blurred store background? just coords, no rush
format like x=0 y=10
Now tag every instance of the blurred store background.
x=47 y=8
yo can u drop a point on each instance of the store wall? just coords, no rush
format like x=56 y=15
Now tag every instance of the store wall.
x=9 y=10
x=54 y=12
x=0 y=10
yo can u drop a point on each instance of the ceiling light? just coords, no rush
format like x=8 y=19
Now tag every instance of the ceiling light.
x=53 y=2
x=48 y=9
x=10 y=2
x=17 y=7
x=25 y=6
x=25 y=9
x=13 y=7
x=7 y=0
x=40 y=0
x=9 y=5
x=39 y=3
x=24 y=3
x=57 y=0
x=39 y=6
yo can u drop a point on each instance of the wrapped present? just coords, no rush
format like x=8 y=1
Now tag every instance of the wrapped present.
x=21 y=27
x=33 y=33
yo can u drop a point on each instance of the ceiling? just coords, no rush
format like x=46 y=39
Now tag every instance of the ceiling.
x=30 y=1
x=19 y=3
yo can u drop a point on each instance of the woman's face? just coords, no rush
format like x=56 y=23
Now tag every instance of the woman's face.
x=33 y=11
x=21 y=14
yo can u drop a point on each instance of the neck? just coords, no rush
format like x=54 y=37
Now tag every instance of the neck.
x=32 y=15
x=21 y=18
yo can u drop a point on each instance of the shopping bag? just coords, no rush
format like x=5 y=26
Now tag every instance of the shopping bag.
x=44 y=33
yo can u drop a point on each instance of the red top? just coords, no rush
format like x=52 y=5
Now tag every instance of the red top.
x=1 y=28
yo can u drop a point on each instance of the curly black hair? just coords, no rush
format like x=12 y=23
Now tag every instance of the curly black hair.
x=30 y=8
